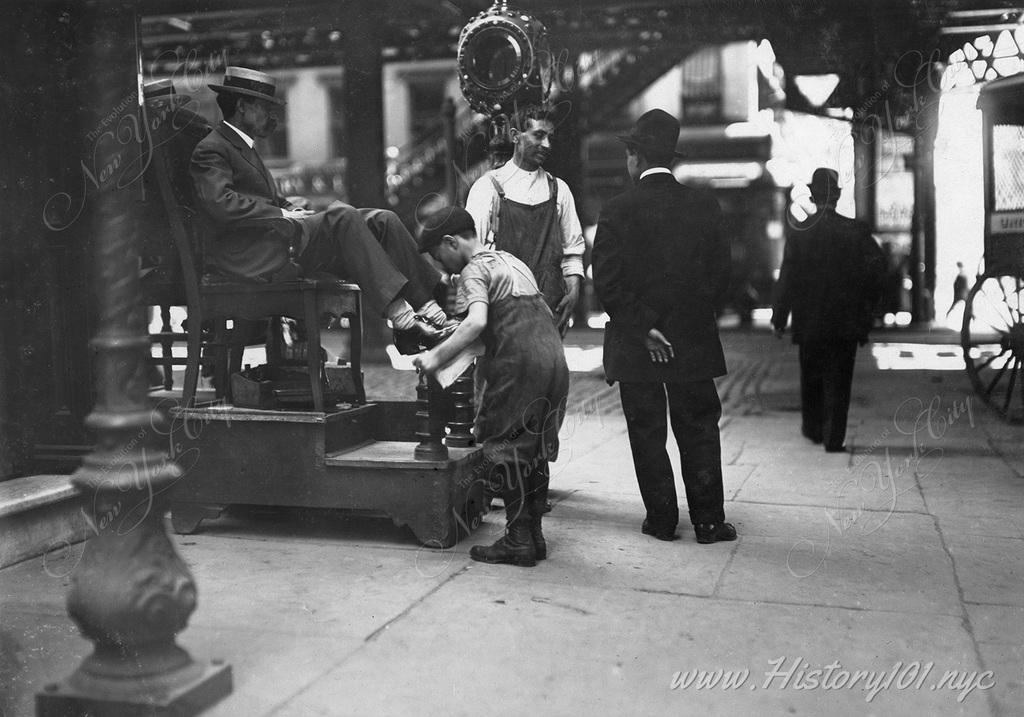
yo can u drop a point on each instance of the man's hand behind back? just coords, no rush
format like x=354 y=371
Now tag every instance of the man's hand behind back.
x=658 y=347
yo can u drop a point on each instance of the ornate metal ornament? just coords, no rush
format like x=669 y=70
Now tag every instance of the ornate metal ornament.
x=504 y=60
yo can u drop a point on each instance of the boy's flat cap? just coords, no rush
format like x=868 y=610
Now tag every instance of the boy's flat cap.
x=447 y=220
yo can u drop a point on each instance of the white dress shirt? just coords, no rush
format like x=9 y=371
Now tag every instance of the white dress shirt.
x=655 y=170
x=245 y=138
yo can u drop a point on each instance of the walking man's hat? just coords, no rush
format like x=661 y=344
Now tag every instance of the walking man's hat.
x=249 y=83
x=824 y=185
x=655 y=131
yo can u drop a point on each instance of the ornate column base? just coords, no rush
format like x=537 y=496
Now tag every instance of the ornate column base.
x=183 y=692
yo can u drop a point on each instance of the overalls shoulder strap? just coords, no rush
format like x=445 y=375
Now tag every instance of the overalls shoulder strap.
x=496 y=200
x=511 y=267
x=497 y=186
x=548 y=233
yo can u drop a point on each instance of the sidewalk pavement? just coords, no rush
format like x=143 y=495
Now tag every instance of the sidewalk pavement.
x=884 y=581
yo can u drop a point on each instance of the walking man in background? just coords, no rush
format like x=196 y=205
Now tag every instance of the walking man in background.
x=830 y=280
x=961 y=287
x=660 y=266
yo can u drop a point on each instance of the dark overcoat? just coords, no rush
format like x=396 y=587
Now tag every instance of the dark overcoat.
x=830 y=279
x=660 y=261
x=238 y=197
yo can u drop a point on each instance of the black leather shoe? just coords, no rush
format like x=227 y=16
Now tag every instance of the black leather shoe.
x=813 y=438
x=421 y=336
x=835 y=449
x=667 y=535
x=714 y=532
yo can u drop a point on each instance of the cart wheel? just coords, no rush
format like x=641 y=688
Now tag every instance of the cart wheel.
x=992 y=338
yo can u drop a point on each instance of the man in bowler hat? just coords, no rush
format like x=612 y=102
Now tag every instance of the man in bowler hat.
x=660 y=266
x=830 y=281
x=254 y=228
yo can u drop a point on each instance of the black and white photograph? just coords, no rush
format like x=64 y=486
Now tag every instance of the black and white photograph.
x=511 y=357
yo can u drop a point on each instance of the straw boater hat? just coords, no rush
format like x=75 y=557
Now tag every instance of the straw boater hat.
x=656 y=131
x=248 y=83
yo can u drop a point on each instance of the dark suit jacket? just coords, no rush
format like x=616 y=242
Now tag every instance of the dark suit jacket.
x=238 y=197
x=831 y=279
x=660 y=261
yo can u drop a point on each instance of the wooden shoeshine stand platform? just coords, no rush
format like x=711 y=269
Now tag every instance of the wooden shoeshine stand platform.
x=359 y=458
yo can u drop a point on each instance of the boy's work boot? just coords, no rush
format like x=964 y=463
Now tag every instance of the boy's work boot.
x=516 y=546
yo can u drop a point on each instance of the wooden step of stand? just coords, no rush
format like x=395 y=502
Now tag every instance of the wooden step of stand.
x=40 y=515
x=387 y=458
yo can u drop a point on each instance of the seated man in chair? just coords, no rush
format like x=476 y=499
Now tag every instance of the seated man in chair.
x=254 y=230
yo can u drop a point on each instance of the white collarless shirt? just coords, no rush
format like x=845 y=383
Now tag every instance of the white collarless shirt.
x=530 y=188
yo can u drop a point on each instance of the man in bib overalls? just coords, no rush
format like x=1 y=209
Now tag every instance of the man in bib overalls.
x=523 y=210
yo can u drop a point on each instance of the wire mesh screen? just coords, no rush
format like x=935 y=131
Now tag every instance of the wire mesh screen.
x=1008 y=166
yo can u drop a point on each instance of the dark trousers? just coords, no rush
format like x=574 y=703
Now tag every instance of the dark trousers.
x=523 y=487
x=826 y=378
x=694 y=409
x=370 y=247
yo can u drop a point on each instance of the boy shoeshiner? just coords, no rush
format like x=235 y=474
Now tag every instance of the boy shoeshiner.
x=522 y=375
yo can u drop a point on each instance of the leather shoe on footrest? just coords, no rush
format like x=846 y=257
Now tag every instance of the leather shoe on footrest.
x=421 y=336
x=714 y=532
x=646 y=529
x=443 y=324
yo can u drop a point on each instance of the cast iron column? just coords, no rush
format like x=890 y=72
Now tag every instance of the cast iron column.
x=865 y=159
x=451 y=188
x=924 y=203
x=364 y=104
x=131 y=593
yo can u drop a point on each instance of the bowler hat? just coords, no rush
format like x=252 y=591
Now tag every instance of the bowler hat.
x=655 y=131
x=249 y=83
x=824 y=184
x=445 y=221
